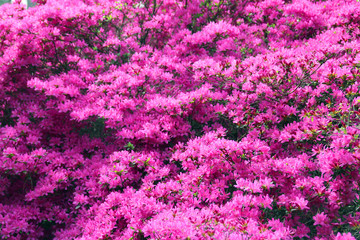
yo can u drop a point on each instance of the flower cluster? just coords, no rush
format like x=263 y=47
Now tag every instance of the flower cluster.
x=178 y=119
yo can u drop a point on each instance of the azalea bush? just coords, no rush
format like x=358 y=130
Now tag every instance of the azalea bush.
x=179 y=119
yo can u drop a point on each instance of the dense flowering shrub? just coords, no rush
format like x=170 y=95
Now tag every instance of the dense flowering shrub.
x=165 y=119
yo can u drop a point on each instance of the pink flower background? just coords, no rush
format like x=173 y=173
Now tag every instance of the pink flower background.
x=179 y=119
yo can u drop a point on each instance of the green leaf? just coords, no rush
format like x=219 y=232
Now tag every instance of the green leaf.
x=129 y=146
